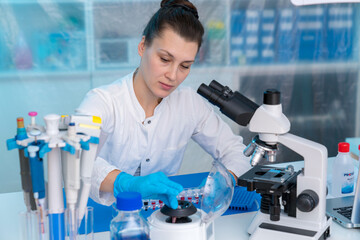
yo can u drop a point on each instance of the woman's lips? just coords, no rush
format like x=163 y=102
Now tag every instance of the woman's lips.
x=165 y=86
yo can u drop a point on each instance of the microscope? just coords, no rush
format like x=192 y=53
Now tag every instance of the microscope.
x=302 y=194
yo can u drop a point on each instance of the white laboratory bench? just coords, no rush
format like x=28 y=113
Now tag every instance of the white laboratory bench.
x=230 y=227
x=233 y=227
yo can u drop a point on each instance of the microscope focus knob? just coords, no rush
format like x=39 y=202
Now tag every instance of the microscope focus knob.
x=307 y=201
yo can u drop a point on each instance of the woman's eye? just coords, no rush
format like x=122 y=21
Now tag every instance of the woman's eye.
x=164 y=59
x=185 y=67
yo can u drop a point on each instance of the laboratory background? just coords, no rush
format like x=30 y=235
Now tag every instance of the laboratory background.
x=52 y=52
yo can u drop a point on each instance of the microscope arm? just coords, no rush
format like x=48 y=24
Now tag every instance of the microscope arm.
x=315 y=154
x=314 y=173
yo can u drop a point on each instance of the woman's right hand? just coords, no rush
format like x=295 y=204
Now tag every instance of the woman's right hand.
x=153 y=186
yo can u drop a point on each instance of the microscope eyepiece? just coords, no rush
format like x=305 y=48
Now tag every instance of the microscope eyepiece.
x=208 y=93
x=216 y=86
x=271 y=97
x=233 y=104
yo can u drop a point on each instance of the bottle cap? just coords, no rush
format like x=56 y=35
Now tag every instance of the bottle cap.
x=343 y=147
x=128 y=201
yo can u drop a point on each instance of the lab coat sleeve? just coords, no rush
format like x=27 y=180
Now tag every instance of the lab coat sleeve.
x=98 y=103
x=101 y=169
x=217 y=138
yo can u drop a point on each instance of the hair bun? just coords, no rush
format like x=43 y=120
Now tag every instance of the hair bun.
x=168 y=3
x=184 y=4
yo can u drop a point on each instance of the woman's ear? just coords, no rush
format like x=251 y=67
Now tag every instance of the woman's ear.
x=141 y=47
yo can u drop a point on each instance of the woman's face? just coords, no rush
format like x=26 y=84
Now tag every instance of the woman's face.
x=166 y=62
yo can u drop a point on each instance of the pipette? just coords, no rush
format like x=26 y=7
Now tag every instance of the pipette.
x=24 y=164
x=71 y=173
x=55 y=192
x=33 y=125
x=38 y=183
x=88 y=126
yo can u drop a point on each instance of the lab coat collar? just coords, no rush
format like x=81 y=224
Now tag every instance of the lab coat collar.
x=138 y=110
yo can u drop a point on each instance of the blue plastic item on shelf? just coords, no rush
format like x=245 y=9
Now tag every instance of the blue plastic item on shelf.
x=252 y=29
x=285 y=35
x=5 y=57
x=2 y=51
x=340 y=31
x=216 y=33
x=59 y=50
x=267 y=36
x=310 y=31
x=237 y=37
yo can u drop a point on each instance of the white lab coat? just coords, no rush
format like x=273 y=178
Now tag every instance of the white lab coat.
x=158 y=143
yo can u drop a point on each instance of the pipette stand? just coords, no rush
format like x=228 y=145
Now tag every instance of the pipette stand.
x=67 y=145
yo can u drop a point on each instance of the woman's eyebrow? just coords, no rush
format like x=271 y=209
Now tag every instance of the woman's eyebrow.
x=172 y=56
x=168 y=53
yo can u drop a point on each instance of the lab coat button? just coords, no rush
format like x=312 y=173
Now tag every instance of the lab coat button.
x=148 y=160
x=149 y=121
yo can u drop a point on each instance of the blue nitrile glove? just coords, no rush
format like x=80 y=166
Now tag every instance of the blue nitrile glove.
x=153 y=186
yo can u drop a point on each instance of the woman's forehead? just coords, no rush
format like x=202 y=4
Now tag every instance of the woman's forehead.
x=176 y=45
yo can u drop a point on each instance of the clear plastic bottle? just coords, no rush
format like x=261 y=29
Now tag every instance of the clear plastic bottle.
x=128 y=223
x=342 y=171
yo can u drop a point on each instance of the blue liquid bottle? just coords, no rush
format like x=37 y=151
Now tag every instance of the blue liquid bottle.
x=128 y=223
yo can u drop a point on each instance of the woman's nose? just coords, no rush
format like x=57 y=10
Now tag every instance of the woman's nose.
x=171 y=73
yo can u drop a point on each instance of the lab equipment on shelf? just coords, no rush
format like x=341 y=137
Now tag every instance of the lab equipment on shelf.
x=128 y=223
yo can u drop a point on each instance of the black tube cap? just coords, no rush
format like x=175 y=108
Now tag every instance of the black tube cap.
x=271 y=97
x=185 y=209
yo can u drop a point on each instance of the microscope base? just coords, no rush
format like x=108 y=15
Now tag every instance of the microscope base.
x=288 y=228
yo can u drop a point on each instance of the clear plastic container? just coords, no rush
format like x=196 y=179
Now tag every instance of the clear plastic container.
x=342 y=172
x=35 y=227
x=128 y=223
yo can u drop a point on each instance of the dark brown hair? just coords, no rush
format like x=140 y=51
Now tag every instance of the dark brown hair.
x=179 y=15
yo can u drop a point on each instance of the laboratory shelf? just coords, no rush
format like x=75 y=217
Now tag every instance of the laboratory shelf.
x=122 y=1
x=26 y=74
x=273 y=69
x=254 y=70
x=93 y=18
x=40 y=1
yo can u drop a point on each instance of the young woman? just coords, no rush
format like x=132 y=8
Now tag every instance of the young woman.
x=147 y=121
